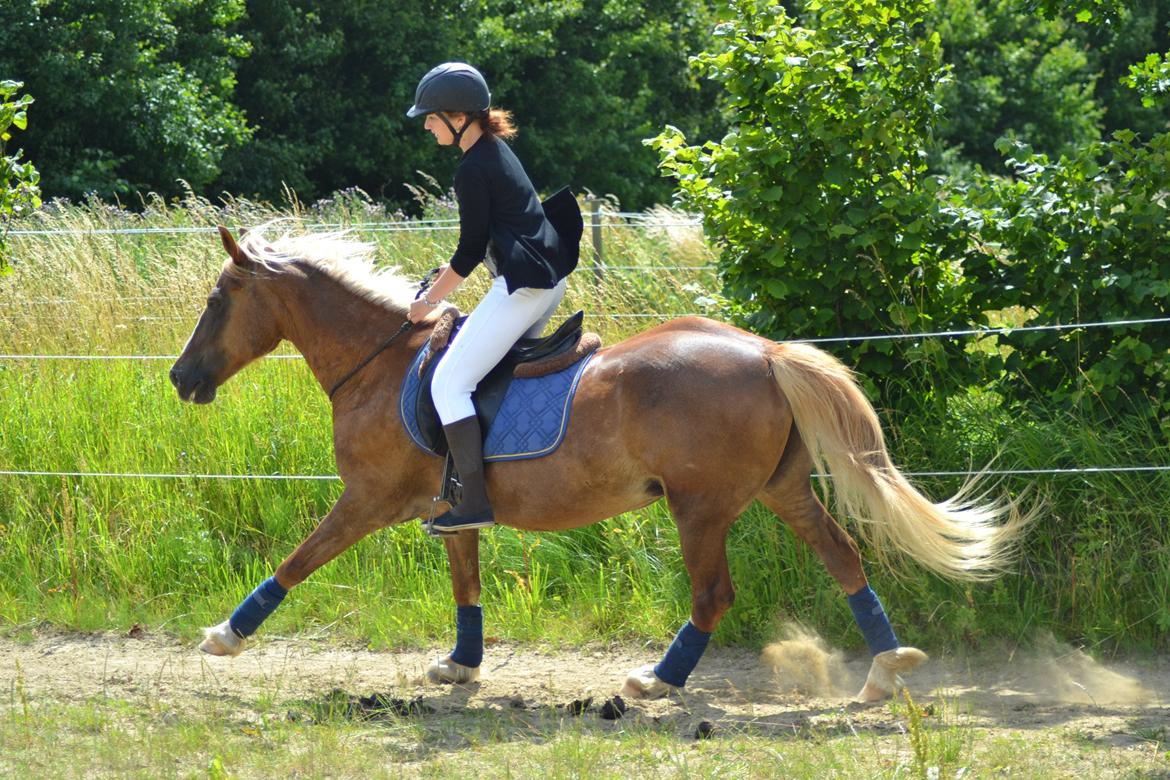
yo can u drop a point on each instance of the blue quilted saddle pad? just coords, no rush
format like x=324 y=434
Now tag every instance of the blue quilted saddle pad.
x=530 y=423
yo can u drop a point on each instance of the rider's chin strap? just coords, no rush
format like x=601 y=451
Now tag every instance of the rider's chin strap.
x=457 y=133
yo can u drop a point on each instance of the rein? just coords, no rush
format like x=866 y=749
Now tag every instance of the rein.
x=423 y=285
x=381 y=347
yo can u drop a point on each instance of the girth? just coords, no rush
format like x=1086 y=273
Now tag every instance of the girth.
x=490 y=392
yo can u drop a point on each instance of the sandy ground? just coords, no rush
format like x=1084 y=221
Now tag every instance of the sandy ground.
x=795 y=687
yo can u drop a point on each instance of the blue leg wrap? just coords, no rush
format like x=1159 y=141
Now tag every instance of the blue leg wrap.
x=468 y=636
x=872 y=620
x=683 y=655
x=257 y=607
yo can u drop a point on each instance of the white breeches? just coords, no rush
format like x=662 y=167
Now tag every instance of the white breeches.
x=498 y=322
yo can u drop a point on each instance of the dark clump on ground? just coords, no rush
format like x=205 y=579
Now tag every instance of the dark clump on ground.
x=579 y=706
x=376 y=706
x=614 y=708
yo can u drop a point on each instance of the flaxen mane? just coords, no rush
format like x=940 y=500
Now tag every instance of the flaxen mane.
x=343 y=259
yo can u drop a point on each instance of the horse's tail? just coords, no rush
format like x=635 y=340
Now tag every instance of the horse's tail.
x=960 y=538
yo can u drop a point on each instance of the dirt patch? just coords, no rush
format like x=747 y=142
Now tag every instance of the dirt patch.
x=798 y=686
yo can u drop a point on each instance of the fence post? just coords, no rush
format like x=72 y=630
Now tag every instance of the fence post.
x=595 y=222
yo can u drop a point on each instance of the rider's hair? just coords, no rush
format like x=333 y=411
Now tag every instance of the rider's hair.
x=498 y=122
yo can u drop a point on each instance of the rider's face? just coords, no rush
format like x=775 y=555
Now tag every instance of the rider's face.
x=442 y=133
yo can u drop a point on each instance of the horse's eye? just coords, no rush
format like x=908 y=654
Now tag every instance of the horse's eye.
x=214 y=301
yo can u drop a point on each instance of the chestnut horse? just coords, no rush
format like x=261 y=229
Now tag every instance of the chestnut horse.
x=700 y=413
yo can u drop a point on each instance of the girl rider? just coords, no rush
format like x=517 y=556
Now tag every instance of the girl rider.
x=502 y=224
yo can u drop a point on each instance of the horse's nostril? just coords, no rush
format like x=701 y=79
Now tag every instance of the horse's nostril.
x=174 y=375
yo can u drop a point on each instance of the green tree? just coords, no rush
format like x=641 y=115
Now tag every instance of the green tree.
x=1096 y=11
x=1143 y=31
x=327 y=86
x=1013 y=74
x=132 y=94
x=1048 y=80
x=588 y=80
x=19 y=192
x=819 y=196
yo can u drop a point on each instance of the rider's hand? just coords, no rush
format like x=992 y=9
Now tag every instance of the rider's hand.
x=420 y=310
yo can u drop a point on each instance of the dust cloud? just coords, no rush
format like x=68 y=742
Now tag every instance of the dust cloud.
x=802 y=663
x=1058 y=672
x=1047 y=671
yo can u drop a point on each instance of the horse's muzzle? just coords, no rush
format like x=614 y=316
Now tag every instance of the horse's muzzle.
x=193 y=385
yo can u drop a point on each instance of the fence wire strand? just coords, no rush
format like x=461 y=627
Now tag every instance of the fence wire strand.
x=834 y=339
x=334 y=478
x=618 y=219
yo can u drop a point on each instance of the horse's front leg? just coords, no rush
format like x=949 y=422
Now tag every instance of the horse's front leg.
x=352 y=517
x=462 y=664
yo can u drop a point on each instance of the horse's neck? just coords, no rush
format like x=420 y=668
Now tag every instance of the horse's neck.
x=333 y=328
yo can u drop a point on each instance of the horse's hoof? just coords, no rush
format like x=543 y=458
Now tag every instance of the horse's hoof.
x=221 y=640
x=444 y=670
x=883 y=680
x=643 y=683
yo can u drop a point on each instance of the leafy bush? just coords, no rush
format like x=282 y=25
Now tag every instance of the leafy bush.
x=828 y=223
x=1151 y=78
x=18 y=181
x=1084 y=238
x=819 y=196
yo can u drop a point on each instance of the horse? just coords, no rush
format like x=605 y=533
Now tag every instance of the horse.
x=701 y=414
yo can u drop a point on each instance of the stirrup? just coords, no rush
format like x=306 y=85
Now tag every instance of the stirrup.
x=449 y=523
x=450 y=491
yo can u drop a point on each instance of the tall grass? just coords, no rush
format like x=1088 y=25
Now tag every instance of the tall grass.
x=98 y=553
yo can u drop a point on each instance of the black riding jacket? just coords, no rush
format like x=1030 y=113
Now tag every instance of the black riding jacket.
x=500 y=212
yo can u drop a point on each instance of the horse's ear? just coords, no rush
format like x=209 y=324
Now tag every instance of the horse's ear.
x=233 y=249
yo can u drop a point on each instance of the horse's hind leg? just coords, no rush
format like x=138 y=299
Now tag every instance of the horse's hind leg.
x=702 y=527
x=462 y=664
x=790 y=495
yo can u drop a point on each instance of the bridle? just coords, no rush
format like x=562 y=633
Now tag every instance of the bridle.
x=422 y=288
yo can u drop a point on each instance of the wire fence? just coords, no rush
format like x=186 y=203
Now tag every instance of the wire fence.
x=619 y=219
x=981 y=332
x=335 y=478
x=632 y=220
x=920 y=474
x=599 y=219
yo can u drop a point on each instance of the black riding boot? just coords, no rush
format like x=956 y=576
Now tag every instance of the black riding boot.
x=473 y=510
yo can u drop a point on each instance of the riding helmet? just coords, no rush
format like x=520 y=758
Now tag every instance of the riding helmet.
x=452 y=86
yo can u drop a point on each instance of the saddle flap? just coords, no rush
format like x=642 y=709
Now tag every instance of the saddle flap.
x=526 y=418
x=490 y=392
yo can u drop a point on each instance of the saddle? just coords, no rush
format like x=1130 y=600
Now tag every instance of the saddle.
x=528 y=358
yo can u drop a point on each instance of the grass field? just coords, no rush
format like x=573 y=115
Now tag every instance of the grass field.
x=108 y=552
